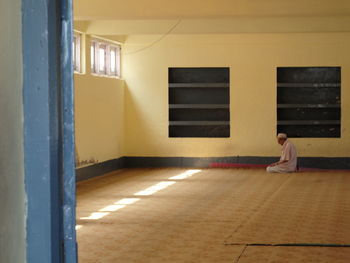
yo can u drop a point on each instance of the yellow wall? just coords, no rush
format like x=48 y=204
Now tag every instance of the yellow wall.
x=252 y=59
x=99 y=116
x=221 y=25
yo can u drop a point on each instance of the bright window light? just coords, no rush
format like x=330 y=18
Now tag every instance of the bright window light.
x=77 y=227
x=185 y=175
x=73 y=51
x=155 y=188
x=92 y=55
x=95 y=216
x=76 y=54
x=102 y=59
x=113 y=60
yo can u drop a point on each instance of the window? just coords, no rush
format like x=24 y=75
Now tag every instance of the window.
x=199 y=102
x=308 y=101
x=105 y=58
x=76 y=55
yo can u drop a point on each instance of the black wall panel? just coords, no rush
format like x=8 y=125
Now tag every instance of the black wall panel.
x=308 y=101
x=199 y=100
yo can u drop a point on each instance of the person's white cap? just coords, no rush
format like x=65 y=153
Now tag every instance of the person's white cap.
x=282 y=136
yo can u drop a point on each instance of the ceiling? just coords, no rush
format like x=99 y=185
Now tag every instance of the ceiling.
x=116 y=17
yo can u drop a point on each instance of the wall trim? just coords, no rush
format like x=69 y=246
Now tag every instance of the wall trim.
x=200 y=162
x=332 y=163
x=98 y=169
x=336 y=163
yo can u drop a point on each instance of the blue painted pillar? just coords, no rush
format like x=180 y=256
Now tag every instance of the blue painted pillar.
x=48 y=130
x=68 y=150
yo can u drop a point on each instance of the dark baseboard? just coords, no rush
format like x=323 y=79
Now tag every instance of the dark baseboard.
x=99 y=169
x=337 y=163
x=202 y=162
x=333 y=163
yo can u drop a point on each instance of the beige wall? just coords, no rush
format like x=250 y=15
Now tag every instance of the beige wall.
x=252 y=59
x=12 y=193
x=99 y=117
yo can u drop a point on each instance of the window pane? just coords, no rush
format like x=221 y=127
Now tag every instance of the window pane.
x=113 y=60
x=93 y=57
x=102 y=58
x=76 y=52
x=73 y=55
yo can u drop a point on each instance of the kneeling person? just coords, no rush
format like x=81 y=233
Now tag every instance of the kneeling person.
x=288 y=160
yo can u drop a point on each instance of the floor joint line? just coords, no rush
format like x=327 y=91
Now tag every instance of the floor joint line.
x=242 y=252
x=289 y=245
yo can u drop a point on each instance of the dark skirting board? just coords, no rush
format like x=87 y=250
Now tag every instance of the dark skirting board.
x=336 y=163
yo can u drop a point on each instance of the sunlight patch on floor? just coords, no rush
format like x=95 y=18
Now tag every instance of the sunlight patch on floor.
x=184 y=175
x=146 y=192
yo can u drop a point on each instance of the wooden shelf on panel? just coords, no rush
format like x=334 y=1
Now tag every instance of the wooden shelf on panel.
x=199 y=85
x=309 y=122
x=313 y=106
x=199 y=106
x=308 y=85
x=198 y=123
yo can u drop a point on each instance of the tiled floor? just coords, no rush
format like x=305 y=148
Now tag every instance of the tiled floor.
x=210 y=215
